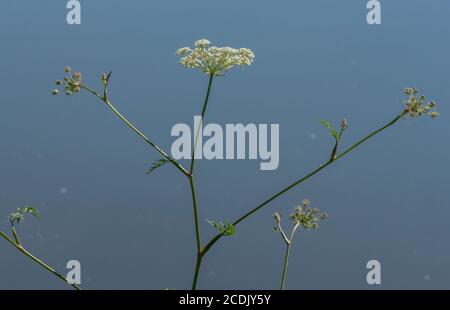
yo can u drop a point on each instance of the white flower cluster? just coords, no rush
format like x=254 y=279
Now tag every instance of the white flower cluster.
x=214 y=60
x=71 y=83
x=417 y=105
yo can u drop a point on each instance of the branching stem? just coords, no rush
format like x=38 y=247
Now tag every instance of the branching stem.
x=301 y=180
x=137 y=131
x=288 y=243
x=202 y=250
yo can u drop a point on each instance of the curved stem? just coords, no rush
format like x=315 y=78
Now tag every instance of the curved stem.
x=301 y=180
x=283 y=235
x=19 y=247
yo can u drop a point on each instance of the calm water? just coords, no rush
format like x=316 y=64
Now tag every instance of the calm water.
x=85 y=171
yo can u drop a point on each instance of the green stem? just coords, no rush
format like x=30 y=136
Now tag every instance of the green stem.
x=334 y=151
x=37 y=260
x=371 y=135
x=197 y=271
x=193 y=191
x=301 y=180
x=196 y=218
x=197 y=132
x=285 y=268
x=201 y=251
x=15 y=235
x=188 y=174
x=137 y=131
x=288 y=243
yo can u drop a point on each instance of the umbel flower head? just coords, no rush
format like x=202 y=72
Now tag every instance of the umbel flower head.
x=18 y=216
x=214 y=60
x=304 y=216
x=71 y=84
x=417 y=105
x=307 y=217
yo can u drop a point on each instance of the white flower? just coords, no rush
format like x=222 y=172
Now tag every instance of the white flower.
x=182 y=51
x=202 y=43
x=214 y=60
x=434 y=114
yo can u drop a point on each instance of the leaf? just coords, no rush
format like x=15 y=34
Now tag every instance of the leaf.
x=215 y=224
x=18 y=216
x=229 y=230
x=157 y=163
x=33 y=211
x=331 y=130
x=225 y=229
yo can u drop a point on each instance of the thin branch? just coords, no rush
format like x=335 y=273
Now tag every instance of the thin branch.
x=195 y=210
x=285 y=266
x=15 y=235
x=283 y=235
x=19 y=247
x=205 y=104
x=137 y=131
x=301 y=180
